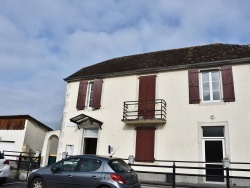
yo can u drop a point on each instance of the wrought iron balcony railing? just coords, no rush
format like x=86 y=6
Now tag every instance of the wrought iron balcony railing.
x=152 y=111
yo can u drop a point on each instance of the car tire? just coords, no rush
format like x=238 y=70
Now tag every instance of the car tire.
x=38 y=183
x=3 y=180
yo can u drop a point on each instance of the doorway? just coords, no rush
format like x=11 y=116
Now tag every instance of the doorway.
x=213 y=152
x=90 y=145
x=90 y=140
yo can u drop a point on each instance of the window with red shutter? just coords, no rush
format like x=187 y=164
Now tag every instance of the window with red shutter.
x=89 y=93
x=97 y=93
x=82 y=95
x=213 y=84
x=147 y=96
x=145 y=141
x=193 y=80
x=228 y=84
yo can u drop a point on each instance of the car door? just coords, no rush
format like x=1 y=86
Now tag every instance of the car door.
x=62 y=174
x=88 y=173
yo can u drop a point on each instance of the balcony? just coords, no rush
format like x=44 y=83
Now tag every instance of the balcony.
x=144 y=112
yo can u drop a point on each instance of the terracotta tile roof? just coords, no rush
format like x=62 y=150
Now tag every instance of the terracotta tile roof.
x=164 y=59
x=17 y=122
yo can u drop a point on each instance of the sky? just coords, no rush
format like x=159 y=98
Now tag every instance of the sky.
x=44 y=41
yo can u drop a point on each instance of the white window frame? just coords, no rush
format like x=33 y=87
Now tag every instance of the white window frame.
x=90 y=94
x=210 y=86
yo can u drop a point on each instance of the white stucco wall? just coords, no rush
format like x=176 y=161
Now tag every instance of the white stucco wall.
x=34 y=135
x=16 y=136
x=179 y=138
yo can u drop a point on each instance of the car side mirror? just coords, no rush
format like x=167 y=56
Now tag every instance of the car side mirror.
x=55 y=169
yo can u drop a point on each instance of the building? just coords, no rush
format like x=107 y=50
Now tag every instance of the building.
x=187 y=104
x=23 y=133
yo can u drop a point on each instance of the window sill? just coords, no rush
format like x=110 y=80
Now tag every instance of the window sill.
x=90 y=109
x=211 y=103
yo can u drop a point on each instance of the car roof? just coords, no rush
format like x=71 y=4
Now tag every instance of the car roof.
x=101 y=157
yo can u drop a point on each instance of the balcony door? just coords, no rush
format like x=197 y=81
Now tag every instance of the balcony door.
x=146 y=106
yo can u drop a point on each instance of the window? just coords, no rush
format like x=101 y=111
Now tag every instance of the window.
x=89 y=165
x=216 y=131
x=145 y=141
x=69 y=149
x=211 y=86
x=120 y=166
x=66 y=165
x=214 y=85
x=89 y=94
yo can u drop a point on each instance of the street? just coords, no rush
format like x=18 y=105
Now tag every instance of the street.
x=14 y=184
x=23 y=184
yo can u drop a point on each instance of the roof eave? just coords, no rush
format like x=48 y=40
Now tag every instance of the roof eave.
x=158 y=69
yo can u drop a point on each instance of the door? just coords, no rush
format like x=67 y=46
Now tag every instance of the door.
x=90 y=139
x=145 y=142
x=62 y=174
x=146 y=106
x=214 y=154
x=90 y=145
x=88 y=173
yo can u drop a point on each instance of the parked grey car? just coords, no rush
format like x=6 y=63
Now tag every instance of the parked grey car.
x=85 y=171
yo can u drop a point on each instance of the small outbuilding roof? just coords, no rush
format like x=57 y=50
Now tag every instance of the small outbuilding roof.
x=164 y=60
x=16 y=122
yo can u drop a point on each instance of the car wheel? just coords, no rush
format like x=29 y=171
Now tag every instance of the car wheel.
x=38 y=183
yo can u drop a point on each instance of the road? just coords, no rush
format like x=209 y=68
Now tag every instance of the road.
x=21 y=184
x=14 y=184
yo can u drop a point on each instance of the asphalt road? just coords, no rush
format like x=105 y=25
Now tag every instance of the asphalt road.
x=14 y=184
x=23 y=184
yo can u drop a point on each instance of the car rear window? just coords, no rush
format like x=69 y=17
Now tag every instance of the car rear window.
x=120 y=166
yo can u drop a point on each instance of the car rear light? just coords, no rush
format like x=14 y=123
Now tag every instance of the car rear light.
x=6 y=162
x=117 y=178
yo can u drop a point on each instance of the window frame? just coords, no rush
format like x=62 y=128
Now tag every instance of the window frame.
x=210 y=86
x=58 y=167
x=90 y=94
x=81 y=162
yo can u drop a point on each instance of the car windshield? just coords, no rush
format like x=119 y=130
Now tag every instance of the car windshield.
x=119 y=166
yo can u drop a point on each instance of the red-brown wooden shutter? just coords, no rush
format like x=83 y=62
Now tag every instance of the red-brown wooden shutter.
x=147 y=96
x=193 y=80
x=80 y=105
x=228 y=84
x=97 y=93
x=145 y=141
